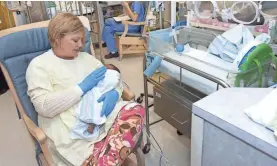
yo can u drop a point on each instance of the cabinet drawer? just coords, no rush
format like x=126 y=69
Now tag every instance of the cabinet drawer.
x=175 y=111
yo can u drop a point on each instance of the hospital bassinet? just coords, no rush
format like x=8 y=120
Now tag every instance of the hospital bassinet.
x=183 y=79
x=201 y=70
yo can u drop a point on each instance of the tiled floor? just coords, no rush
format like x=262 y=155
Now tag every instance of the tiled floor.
x=16 y=146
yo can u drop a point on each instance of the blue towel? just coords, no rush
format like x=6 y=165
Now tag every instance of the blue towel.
x=228 y=45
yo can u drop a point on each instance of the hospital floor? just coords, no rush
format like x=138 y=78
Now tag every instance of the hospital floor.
x=16 y=143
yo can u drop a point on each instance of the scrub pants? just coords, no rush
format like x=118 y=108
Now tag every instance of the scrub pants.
x=110 y=27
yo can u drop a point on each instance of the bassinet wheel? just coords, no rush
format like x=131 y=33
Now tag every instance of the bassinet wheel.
x=140 y=99
x=179 y=133
x=146 y=148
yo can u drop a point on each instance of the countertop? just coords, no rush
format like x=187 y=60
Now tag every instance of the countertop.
x=225 y=109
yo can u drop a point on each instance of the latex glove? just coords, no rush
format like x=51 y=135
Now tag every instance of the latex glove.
x=109 y=100
x=92 y=79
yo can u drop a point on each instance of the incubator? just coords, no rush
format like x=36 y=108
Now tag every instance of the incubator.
x=259 y=17
x=236 y=12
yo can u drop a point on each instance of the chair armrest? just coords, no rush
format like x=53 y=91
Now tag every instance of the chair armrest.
x=127 y=94
x=126 y=23
x=133 y=23
x=40 y=137
x=34 y=130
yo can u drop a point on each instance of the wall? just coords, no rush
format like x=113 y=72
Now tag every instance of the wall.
x=6 y=17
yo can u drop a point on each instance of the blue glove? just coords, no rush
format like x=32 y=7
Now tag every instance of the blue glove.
x=92 y=79
x=109 y=101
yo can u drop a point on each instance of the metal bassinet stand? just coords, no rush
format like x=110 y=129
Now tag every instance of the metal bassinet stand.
x=218 y=81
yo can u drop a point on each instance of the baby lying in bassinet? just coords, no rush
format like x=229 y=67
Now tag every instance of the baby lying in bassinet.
x=89 y=110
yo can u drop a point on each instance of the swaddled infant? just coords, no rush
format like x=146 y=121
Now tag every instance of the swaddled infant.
x=105 y=86
x=89 y=110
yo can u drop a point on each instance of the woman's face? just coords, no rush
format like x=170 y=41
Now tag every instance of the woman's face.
x=70 y=45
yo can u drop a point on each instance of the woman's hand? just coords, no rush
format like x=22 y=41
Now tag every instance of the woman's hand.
x=125 y=4
x=109 y=101
x=92 y=79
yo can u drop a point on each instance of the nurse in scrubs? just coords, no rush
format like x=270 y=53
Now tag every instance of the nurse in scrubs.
x=135 y=10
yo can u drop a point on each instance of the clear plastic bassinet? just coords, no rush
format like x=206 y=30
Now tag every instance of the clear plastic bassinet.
x=257 y=72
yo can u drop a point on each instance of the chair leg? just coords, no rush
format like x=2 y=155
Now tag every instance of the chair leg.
x=129 y=162
x=119 y=47
x=140 y=157
x=120 y=51
x=139 y=154
x=47 y=154
x=43 y=160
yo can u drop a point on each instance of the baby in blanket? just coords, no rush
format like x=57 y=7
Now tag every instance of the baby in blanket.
x=105 y=86
x=89 y=110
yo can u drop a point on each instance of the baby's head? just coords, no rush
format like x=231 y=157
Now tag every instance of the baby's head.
x=112 y=67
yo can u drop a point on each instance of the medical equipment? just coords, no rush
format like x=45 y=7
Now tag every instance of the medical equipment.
x=173 y=13
x=170 y=96
x=245 y=12
x=174 y=34
x=256 y=56
x=198 y=73
x=179 y=47
x=268 y=9
x=151 y=19
x=155 y=64
x=204 y=61
x=206 y=9
x=243 y=55
x=154 y=17
x=240 y=12
x=259 y=17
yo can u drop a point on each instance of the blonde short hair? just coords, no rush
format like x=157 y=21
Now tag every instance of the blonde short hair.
x=62 y=24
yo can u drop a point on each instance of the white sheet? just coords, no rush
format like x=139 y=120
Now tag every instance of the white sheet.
x=89 y=110
x=192 y=59
x=265 y=111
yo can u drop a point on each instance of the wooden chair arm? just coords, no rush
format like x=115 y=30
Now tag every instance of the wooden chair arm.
x=126 y=23
x=133 y=23
x=34 y=130
x=40 y=137
x=127 y=94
